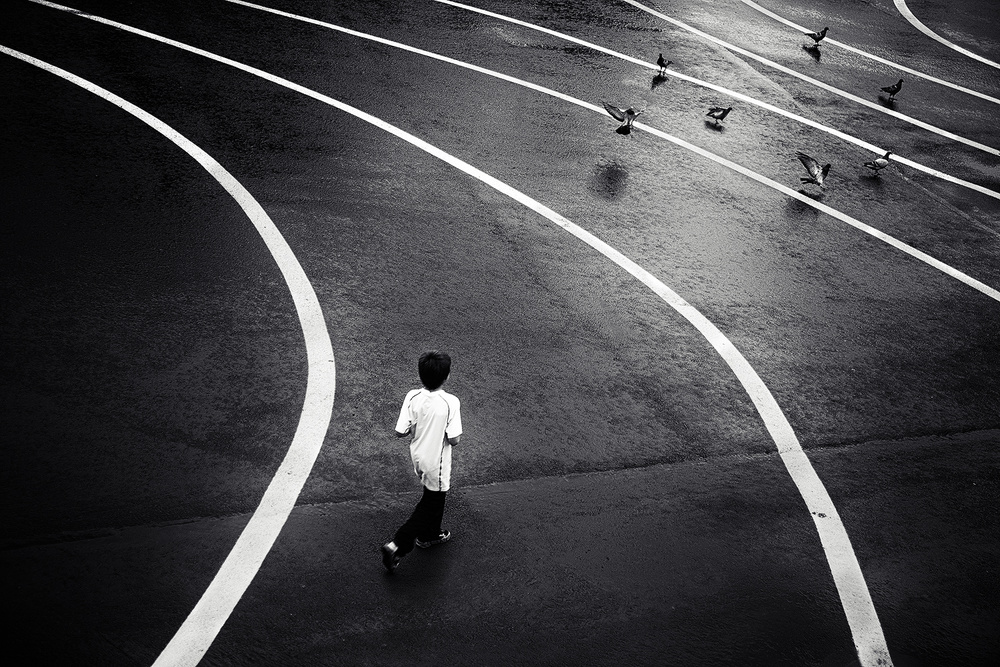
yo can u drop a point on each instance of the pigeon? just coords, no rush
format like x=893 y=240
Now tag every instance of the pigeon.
x=879 y=163
x=816 y=175
x=626 y=117
x=893 y=89
x=817 y=36
x=718 y=113
x=663 y=64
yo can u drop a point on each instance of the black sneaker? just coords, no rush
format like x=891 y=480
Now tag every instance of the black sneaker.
x=389 y=557
x=442 y=537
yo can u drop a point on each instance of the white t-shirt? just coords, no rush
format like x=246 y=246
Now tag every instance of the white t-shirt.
x=433 y=416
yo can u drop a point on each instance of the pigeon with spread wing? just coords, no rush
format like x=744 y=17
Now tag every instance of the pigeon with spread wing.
x=626 y=117
x=817 y=174
x=817 y=36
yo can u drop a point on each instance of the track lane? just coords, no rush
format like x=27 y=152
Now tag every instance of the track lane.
x=847 y=47
x=916 y=23
x=241 y=565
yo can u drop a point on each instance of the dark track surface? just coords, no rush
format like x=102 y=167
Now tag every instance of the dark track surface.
x=617 y=497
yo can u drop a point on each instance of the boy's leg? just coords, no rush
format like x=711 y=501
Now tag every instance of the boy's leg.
x=428 y=511
x=431 y=529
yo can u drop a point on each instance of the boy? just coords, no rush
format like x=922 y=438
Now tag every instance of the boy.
x=431 y=415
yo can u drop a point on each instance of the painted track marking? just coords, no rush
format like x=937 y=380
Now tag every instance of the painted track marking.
x=848 y=578
x=865 y=54
x=202 y=625
x=816 y=82
x=908 y=15
x=725 y=91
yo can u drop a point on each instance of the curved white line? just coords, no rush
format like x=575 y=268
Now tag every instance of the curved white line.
x=816 y=82
x=846 y=571
x=725 y=91
x=846 y=47
x=908 y=15
x=202 y=625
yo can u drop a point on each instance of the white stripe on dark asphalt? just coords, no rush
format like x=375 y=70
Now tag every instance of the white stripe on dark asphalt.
x=725 y=91
x=817 y=82
x=908 y=15
x=848 y=578
x=871 y=56
x=206 y=619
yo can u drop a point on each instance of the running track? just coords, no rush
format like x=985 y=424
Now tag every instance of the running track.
x=976 y=222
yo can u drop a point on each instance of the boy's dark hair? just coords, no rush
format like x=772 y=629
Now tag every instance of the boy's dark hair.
x=434 y=367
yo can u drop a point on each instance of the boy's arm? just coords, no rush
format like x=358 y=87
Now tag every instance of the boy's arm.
x=454 y=424
x=403 y=424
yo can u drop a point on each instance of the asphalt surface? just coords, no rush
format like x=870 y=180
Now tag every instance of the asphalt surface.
x=617 y=497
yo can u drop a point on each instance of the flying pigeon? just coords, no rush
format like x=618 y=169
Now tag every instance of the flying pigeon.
x=879 y=163
x=893 y=89
x=817 y=36
x=626 y=117
x=816 y=175
x=718 y=113
x=663 y=64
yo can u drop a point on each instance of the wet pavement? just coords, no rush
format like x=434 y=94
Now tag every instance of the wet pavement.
x=617 y=497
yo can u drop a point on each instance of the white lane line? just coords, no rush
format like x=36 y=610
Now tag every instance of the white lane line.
x=241 y=565
x=844 y=567
x=908 y=15
x=725 y=91
x=808 y=201
x=816 y=82
x=865 y=54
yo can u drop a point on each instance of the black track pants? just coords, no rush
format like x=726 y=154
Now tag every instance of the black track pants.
x=424 y=523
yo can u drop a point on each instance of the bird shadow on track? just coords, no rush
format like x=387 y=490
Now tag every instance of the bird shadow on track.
x=715 y=126
x=609 y=180
x=812 y=50
x=658 y=81
x=886 y=102
x=798 y=209
x=816 y=196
